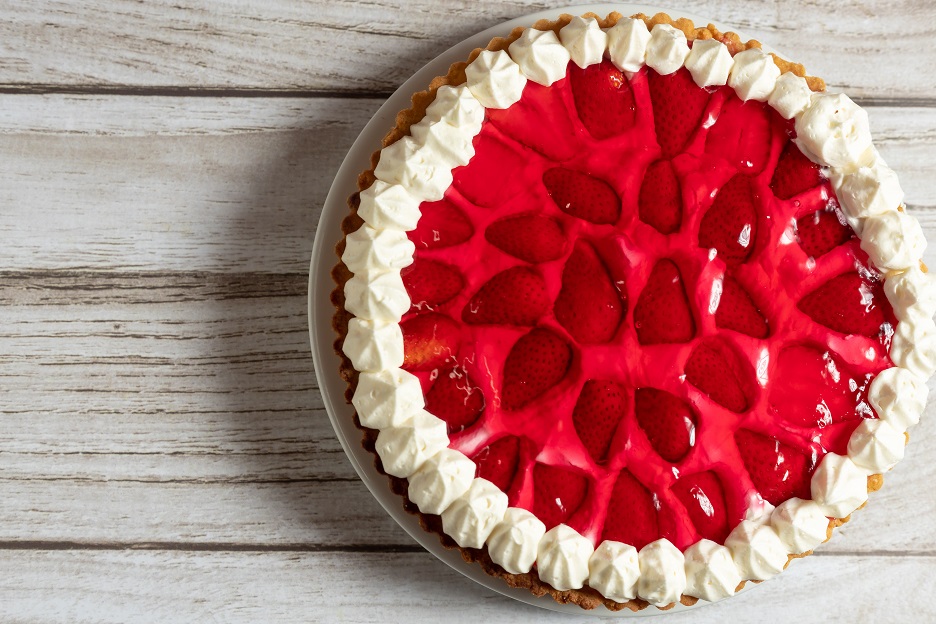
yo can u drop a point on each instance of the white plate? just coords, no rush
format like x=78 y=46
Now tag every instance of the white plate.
x=321 y=310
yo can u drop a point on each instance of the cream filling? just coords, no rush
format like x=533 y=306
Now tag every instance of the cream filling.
x=753 y=75
x=711 y=573
x=584 y=40
x=562 y=558
x=614 y=570
x=627 y=44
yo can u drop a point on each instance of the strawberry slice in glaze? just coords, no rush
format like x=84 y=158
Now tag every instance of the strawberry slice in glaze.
x=600 y=407
x=557 y=493
x=516 y=296
x=741 y=135
x=848 y=303
x=821 y=232
x=632 y=514
x=678 y=105
x=778 y=470
x=430 y=283
x=429 y=340
x=813 y=388
x=589 y=305
x=532 y=238
x=794 y=173
x=737 y=311
x=491 y=177
x=440 y=225
x=660 y=201
x=667 y=420
x=704 y=499
x=455 y=398
x=662 y=313
x=583 y=196
x=537 y=362
x=714 y=369
x=730 y=225
x=603 y=99
x=539 y=121
x=497 y=462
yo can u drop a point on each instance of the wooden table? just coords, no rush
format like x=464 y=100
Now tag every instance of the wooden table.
x=164 y=453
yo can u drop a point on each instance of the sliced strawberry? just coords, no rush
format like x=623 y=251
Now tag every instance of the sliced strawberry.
x=668 y=421
x=737 y=311
x=497 y=462
x=662 y=313
x=821 y=232
x=516 y=296
x=632 y=515
x=660 y=201
x=678 y=104
x=456 y=399
x=715 y=370
x=779 y=471
x=536 y=363
x=794 y=173
x=583 y=196
x=430 y=283
x=704 y=499
x=848 y=303
x=441 y=224
x=429 y=340
x=540 y=121
x=600 y=407
x=588 y=306
x=812 y=387
x=603 y=99
x=741 y=135
x=532 y=238
x=730 y=225
x=491 y=179
x=557 y=493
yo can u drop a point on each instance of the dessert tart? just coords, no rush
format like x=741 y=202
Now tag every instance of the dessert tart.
x=631 y=312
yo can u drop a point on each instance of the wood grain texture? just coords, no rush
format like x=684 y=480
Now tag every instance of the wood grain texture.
x=241 y=194
x=873 y=48
x=389 y=588
x=164 y=450
x=177 y=407
x=189 y=184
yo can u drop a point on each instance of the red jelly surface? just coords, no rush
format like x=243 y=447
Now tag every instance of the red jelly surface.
x=643 y=341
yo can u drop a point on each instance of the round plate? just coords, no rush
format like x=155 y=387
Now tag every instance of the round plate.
x=329 y=234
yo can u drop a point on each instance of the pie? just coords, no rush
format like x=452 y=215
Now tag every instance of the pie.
x=631 y=311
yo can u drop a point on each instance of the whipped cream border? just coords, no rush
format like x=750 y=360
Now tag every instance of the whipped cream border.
x=831 y=130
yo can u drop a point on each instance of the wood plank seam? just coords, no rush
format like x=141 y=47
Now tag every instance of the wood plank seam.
x=223 y=547
x=217 y=547
x=298 y=93
x=199 y=92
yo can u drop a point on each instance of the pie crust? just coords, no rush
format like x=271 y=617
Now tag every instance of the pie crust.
x=586 y=597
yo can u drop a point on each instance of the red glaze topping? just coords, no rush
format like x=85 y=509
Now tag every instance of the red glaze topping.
x=639 y=310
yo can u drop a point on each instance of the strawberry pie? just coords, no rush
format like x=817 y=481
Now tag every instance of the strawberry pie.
x=632 y=312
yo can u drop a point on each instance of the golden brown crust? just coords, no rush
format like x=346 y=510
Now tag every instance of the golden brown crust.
x=586 y=598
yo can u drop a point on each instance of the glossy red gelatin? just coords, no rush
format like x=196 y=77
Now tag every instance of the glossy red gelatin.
x=660 y=318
